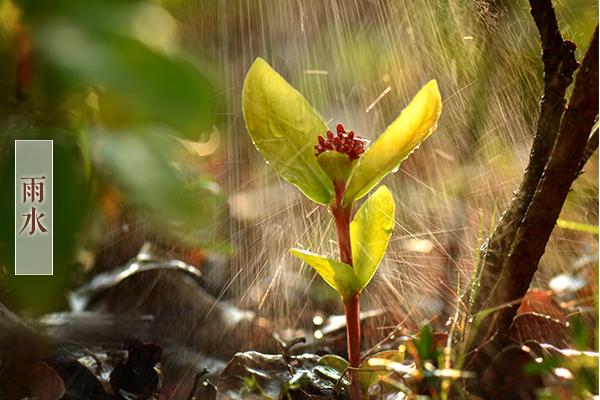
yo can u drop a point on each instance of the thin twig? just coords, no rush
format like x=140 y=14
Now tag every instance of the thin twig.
x=197 y=379
x=285 y=348
x=590 y=148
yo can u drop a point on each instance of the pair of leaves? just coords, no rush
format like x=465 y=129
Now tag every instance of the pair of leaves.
x=370 y=233
x=284 y=129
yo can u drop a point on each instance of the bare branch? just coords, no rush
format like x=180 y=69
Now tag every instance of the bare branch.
x=559 y=150
x=558 y=56
x=559 y=174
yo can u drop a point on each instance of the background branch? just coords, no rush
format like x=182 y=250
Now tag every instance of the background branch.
x=513 y=250
x=558 y=56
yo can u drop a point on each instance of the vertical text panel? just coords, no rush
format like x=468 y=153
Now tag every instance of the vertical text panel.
x=33 y=207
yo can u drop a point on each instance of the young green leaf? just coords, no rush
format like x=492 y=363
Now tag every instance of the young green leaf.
x=336 y=362
x=338 y=275
x=284 y=129
x=333 y=368
x=336 y=165
x=416 y=122
x=370 y=233
x=425 y=344
x=370 y=375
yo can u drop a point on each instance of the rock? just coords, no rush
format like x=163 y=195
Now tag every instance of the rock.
x=169 y=293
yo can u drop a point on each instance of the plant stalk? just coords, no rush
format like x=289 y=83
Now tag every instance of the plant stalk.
x=342 y=216
x=342 y=225
x=352 y=311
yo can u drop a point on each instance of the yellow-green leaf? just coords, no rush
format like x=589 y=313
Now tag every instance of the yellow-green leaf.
x=370 y=375
x=416 y=122
x=284 y=128
x=338 y=275
x=370 y=233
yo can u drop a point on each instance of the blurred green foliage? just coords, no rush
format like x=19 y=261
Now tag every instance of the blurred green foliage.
x=108 y=83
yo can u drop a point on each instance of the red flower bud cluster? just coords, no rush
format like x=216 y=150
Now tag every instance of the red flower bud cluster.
x=342 y=142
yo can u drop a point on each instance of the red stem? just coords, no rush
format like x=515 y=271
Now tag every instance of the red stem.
x=342 y=216
x=352 y=310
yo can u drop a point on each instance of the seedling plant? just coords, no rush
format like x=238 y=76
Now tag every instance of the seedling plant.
x=336 y=169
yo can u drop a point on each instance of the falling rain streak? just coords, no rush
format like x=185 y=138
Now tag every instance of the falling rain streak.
x=360 y=62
